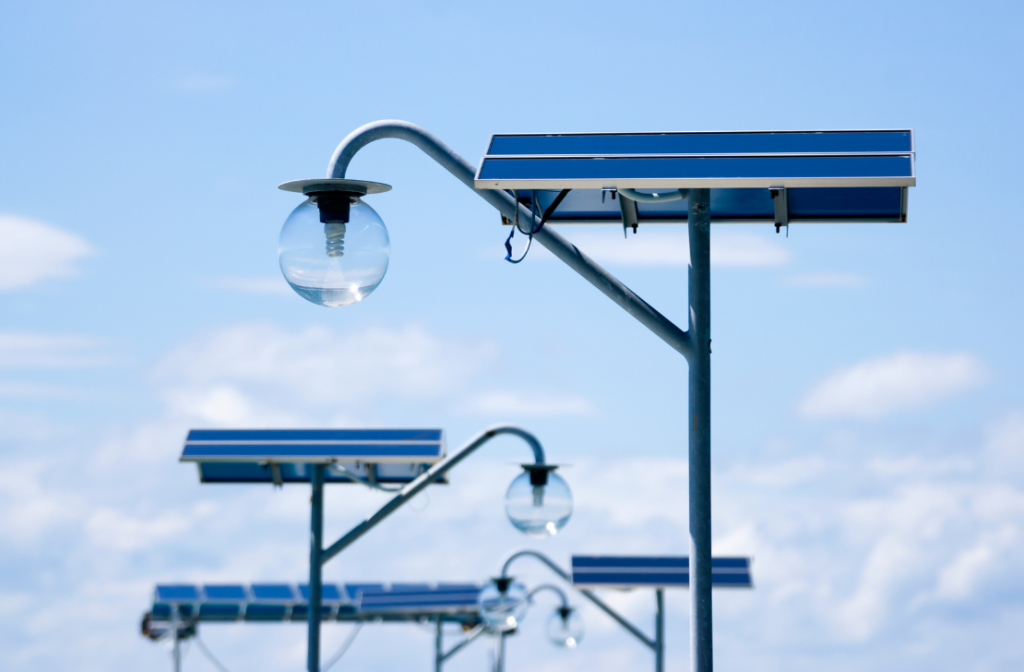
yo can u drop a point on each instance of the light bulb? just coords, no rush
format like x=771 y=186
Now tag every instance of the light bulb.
x=565 y=628
x=538 y=501
x=503 y=604
x=334 y=249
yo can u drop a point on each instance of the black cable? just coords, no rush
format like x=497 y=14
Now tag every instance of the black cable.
x=210 y=656
x=344 y=647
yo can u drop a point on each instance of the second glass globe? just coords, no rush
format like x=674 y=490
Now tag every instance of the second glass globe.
x=503 y=604
x=539 y=501
x=334 y=249
x=565 y=628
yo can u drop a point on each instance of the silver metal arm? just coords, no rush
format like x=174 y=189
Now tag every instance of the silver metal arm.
x=473 y=634
x=652 y=644
x=555 y=589
x=429 y=476
x=556 y=244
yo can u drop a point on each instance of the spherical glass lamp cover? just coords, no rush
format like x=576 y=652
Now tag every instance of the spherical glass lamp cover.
x=539 y=510
x=503 y=611
x=565 y=628
x=359 y=253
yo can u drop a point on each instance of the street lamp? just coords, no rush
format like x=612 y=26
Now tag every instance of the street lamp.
x=503 y=603
x=334 y=248
x=538 y=501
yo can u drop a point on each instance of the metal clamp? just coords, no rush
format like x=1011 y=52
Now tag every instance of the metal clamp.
x=781 y=208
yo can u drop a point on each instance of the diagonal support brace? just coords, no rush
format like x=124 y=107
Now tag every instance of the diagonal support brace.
x=608 y=284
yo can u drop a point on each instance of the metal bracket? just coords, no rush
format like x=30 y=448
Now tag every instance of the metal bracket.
x=781 y=208
x=630 y=216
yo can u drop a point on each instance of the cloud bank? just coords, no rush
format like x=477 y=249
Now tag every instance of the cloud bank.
x=33 y=251
x=899 y=382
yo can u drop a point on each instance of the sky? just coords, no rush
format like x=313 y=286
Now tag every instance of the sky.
x=867 y=416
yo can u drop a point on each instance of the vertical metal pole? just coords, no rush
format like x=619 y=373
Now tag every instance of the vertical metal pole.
x=700 y=430
x=316 y=545
x=177 y=644
x=499 y=659
x=659 y=632
x=438 y=647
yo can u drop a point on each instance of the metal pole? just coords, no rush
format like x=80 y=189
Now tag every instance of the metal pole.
x=499 y=663
x=438 y=647
x=659 y=631
x=177 y=644
x=316 y=539
x=699 y=423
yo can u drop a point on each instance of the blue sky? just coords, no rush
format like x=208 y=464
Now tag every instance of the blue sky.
x=868 y=421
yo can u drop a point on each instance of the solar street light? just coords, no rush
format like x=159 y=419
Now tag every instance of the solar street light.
x=773 y=177
x=334 y=248
x=503 y=603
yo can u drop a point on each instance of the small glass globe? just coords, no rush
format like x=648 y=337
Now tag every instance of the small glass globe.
x=565 y=628
x=539 y=510
x=503 y=610
x=334 y=263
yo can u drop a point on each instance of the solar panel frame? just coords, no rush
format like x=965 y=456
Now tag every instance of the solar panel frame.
x=735 y=206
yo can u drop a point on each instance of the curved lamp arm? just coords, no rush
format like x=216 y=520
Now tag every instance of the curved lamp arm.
x=553 y=588
x=633 y=630
x=429 y=476
x=556 y=244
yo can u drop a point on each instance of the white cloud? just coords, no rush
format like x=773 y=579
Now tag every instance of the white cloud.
x=903 y=381
x=23 y=350
x=33 y=251
x=266 y=374
x=513 y=404
x=959 y=577
x=655 y=247
x=827 y=280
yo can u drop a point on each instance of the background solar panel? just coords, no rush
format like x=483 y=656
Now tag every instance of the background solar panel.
x=654 y=572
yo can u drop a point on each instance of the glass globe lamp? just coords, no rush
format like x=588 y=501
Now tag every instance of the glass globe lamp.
x=565 y=628
x=334 y=248
x=503 y=604
x=538 y=502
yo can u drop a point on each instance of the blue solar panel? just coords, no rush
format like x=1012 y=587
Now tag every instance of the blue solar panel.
x=285 y=455
x=655 y=572
x=421 y=599
x=177 y=593
x=283 y=602
x=225 y=592
x=699 y=160
x=328 y=592
x=273 y=592
x=798 y=142
x=829 y=176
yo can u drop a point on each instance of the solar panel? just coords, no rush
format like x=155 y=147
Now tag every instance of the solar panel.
x=279 y=602
x=829 y=176
x=654 y=572
x=284 y=456
x=448 y=598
